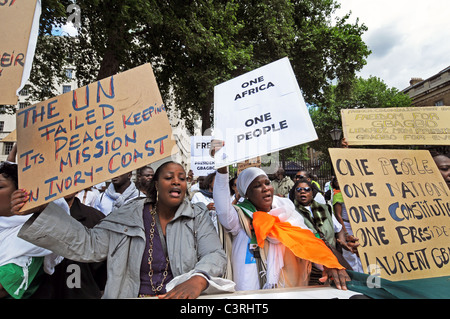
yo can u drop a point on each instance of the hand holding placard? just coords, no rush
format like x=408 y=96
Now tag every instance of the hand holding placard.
x=260 y=112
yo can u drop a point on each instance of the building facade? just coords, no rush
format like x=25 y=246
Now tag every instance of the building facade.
x=434 y=91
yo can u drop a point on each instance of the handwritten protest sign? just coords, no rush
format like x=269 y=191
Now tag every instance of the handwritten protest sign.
x=19 y=24
x=92 y=134
x=398 y=206
x=253 y=162
x=260 y=112
x=397 y=126
x=202 y=163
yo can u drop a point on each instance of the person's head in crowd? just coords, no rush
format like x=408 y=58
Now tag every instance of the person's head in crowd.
x=254 y=184
x=200 y=180
x=232 y=184
x=303 y=192
x=208 y=183
x=8 y=184
x=280 y=174
x=144 y=177
x=442 y=160
x=334 y=182
x=302 y=175
x=190 y=177
x=121 y=182
x=168 y=186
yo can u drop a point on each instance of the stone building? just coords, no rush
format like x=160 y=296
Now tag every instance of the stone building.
x=434 y=91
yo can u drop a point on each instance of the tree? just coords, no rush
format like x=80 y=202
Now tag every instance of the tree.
x=192 y=46
x=364 y=93
x=197 y=44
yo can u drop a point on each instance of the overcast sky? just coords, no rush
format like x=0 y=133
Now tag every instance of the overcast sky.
x=408 y=38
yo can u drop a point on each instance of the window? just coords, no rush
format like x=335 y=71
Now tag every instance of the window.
x=7 y=148
x=439 y=103
x=66 y=88
x=23 y=105
x=25 y=91
x=2 y=126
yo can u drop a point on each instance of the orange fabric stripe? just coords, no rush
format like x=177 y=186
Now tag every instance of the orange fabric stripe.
x=301 y=242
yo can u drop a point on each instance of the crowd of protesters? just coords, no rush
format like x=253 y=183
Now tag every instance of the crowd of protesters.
x=170 y=235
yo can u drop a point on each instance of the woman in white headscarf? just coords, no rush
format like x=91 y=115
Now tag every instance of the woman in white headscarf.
x=278 y=266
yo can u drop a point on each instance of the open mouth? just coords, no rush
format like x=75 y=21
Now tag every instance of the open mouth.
x=267 y=197
x=303 y=197
x=175 y=192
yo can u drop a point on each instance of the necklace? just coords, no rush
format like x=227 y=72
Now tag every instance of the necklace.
x=150 y=255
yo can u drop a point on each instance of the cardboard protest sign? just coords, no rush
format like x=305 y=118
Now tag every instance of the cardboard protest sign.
x=11 y=137
x=19 y=25
x=92 y=134
x=202 y=164
x=260 y=112
x=398 y=205
x=253 y=162
x=397 y=126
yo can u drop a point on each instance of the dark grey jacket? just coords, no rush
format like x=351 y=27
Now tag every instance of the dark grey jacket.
x=192 y=242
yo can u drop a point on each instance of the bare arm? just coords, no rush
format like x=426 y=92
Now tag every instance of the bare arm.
x=349 y=242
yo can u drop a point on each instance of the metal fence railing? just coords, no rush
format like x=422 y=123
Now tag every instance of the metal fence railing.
x=322 y=170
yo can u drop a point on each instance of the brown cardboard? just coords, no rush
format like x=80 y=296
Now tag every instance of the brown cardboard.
x=399 y=208
x=397 y=126
x=16 y=18
x=90 y=135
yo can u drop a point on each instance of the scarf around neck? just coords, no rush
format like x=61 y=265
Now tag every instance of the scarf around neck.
x=286 y=229
x=206 y=193
x=121 y=198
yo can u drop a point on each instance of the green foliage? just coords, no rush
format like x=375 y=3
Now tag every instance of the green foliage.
x=194 y=45
x=363 y=93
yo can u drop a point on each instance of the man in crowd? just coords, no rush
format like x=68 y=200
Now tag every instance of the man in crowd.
x=282 y=184
x=120 y=191
x=144 y=176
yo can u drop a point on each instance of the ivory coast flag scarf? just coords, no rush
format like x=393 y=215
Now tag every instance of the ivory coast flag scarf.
x=302 y=242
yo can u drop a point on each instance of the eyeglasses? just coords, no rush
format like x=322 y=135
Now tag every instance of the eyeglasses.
x=300 y=176
x=306 y=189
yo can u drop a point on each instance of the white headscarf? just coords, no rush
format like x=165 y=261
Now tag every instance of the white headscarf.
x=284 y=209
x=246 y=177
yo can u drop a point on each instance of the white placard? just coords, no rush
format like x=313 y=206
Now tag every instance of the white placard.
x=260 y=112
x=202 y=163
